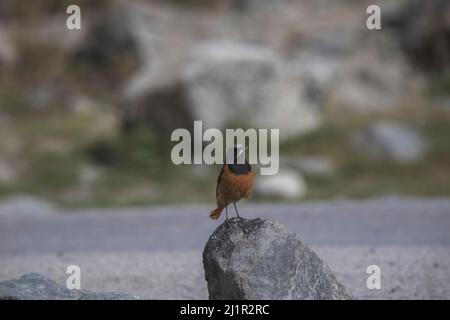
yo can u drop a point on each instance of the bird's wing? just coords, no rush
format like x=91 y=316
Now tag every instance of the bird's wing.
x=219 y=179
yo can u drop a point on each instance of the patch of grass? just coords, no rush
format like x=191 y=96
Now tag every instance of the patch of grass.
x=54 y=171
x=360 y=176
x=57 y=144
x=439 y=84
x=12 y=100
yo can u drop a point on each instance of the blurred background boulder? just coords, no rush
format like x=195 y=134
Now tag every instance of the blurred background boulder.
x=227 y=85
x=286 y=184
x=391 y=140
x=423 y=30
x=7 y=50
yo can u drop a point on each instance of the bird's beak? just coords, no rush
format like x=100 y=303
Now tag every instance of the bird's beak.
x=243 y=150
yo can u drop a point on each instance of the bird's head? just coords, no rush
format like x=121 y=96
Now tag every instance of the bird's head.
x=236 y=154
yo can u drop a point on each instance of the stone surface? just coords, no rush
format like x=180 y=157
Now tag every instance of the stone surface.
x=7 y=49
x=106 y=296
x=262 y=259
x=277 y=78
x=423 y=29
x=225 y=85
x=395 y=141
x=8 y=173
x=251 y=86
x=317 y=165
x=23 y=204
x=312 y=165
x=286 y=184
x=356 y=69
x=35 y=286
x=116 y=44
x=372 y=77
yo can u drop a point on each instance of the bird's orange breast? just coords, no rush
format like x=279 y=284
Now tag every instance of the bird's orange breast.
x=233 y=187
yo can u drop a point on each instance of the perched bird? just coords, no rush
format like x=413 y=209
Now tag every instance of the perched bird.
x=234 y=183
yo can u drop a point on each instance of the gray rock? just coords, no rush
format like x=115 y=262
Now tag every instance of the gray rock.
x=117 y=43
x=423 y=30
x=24 y=204
x=8 y=173
x=286 y=184
x=107 y=296
x=316 y=165
x=395 y=141
x=228 y=85
x=34 y=286
x=356 y=69
x=257 y=5
x=261 y=259
x=375 y=77
x=313 y=165
x=7 y=49
x=442 y=102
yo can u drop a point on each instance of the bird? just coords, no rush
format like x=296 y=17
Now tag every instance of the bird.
x=235 y=182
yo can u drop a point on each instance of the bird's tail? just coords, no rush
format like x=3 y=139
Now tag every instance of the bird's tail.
x=215 y=214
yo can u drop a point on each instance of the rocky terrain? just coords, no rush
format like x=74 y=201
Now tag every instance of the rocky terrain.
x=34 y=286
x=86 y=115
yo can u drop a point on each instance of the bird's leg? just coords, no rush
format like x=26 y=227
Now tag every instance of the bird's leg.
x=237 y=213
x=226 y=212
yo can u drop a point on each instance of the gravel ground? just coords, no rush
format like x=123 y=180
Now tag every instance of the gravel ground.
x=156 y=252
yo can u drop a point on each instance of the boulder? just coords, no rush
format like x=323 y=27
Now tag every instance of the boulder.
x=390 y=140
x=356 y=68
x=374 y=77
x=7 y=49
x=8 y=173
x=262 y=259
x=23 y=204
x=286 y=184
x=34 y=286
x=109 y=39
x=316 y=166
x=423 y=30
x=106 y=296
x=115 y=45
x=310 y=165
x=228 y=85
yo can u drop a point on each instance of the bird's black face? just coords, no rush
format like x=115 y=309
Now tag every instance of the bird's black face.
x=235 y=154
x=239 y=167
x=239 y=154
x=236 y=151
